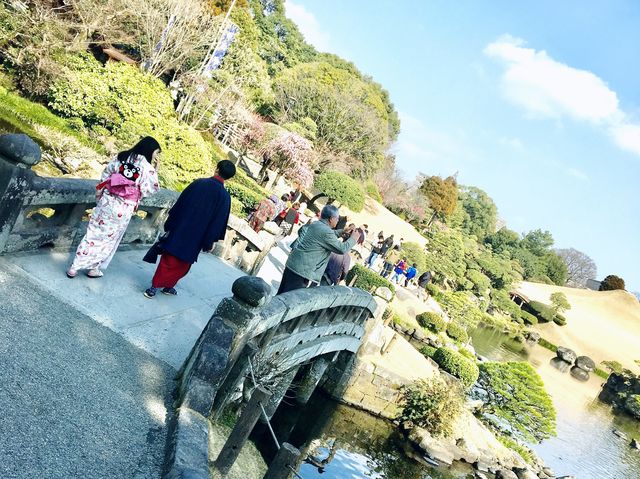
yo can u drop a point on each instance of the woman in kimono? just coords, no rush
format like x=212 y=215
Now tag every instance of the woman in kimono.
x=127 y=179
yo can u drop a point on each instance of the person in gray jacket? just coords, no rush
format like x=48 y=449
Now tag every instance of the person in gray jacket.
x=310 y=255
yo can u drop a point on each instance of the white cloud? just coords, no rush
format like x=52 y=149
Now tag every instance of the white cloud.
x=581 y=175
x=545 y=87
x=308 y=25
x=514 y=143
x=423 y=148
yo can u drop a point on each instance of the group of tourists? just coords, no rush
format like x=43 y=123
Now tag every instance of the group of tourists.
x=199 y=218
x=284 y=211
x=195 y=222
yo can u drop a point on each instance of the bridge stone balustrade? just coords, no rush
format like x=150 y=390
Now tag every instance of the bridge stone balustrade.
x=37 y=212
x=289 y=332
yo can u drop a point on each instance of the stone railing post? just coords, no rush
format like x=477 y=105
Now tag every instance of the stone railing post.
x=18 y=153
x=221 y=343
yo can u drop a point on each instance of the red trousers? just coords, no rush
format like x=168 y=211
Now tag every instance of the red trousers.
x=170 y=271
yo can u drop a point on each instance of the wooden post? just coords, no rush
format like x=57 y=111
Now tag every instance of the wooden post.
x=284 y=463
x=240 y=434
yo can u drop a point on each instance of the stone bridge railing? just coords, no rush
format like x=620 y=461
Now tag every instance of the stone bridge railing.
x=312 y=334
x=37 y=212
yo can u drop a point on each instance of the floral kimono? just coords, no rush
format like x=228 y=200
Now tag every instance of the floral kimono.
x=116 y=205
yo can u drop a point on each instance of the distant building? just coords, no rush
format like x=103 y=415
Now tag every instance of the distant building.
x=593 y=284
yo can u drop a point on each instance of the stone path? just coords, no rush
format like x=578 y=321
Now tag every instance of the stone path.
x=78 y=401
x=165 y=326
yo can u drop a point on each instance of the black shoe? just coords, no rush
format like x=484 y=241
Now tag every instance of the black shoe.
x=169 y=291
x=150 y=292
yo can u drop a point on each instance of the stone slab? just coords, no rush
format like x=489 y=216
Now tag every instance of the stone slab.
x=166 y=326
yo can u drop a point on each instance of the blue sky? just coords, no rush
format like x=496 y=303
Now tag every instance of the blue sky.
x=537 y=103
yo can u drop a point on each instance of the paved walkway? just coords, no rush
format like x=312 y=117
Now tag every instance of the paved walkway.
x=78 y=401
x=87 y=365
x=165 y=326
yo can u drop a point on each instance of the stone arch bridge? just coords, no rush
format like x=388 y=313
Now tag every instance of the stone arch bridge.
x=313 y=334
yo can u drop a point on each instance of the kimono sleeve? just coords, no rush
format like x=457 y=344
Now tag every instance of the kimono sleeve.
x=111 y=168
x=149 y=181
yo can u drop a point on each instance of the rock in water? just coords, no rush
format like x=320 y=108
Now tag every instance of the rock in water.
x=580 y=374
x=586 y=363
x=635 y=444
x=506 y=474
x=566 y=354
x=548 y=471
x=526 y=474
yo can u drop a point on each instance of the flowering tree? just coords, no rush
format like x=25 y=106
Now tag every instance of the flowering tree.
x=288 y=153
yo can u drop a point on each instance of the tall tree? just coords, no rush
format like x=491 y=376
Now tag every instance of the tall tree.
x=442 y=195
x=612 y=282
x=580 y=267
x=476 y=213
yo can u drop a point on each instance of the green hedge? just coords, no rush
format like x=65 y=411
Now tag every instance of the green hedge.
x=541 y=311
x=428 y=351
x=457 y=332
x=119 y=100
x=339 y=186
x=560 y=320
x=368 y=279
x=457 y=365
x=237 y=208
x=431 y=321
x=467 y=354
x=528 y=318
x=547 y=345
x=247 y=197
x=432 y=289
x=415 y=255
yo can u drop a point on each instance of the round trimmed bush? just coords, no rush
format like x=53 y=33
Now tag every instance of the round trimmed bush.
x=428 y=351
x=560 y=320
x=528 y=318
x=367 y=279
x=432 y=289
x=457 y=332
x=432 y=321
x=541 y=310
x=457 y=365
x=341 y=187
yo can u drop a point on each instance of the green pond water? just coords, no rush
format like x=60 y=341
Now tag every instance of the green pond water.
x=585 y=446
x=339 y=442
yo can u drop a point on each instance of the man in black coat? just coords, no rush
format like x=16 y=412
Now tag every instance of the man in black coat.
x=197 y=220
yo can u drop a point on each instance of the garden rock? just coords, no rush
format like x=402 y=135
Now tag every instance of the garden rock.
x=566 y=354
x=547 y=471
x=533 y=336
x=526 y=474
x=579 y=373
x=20 y=148
x=635 y=444
x=586 y=363
x=506 y=474
x=632 y=405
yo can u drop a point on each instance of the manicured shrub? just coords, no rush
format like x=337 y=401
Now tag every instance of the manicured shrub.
x=368 y=279
x=612 y=282
x=547 y=345
x=433 y=290
x=237 y=208
x=467 y=354
x=415 y=255
x=457 y=365
x=248 y=198
x=516 y=395
x=528 y=317
x=432 y=404
x=540 y=310
x=560 y=320
x=431 y=321
x=340 y=187
x=126 y=103
x=428 y=351
x=457 y=332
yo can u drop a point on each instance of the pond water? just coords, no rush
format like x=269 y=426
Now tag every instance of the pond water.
x=338 y=442
x=585 y=445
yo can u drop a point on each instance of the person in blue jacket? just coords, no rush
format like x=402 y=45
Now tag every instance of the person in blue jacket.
x=197 y=220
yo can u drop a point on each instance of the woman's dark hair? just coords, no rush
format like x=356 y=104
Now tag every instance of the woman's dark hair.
x=144 y=147
x=226 y=169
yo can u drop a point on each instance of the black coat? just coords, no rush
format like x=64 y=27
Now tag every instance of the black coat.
x=197 y=220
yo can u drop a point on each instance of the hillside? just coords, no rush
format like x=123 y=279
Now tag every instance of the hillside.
x=604 y=325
